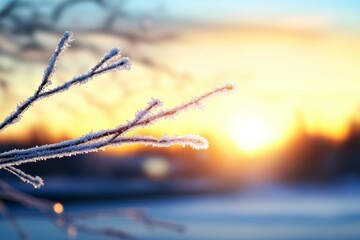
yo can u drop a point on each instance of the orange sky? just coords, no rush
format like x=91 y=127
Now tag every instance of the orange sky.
x=280 y=74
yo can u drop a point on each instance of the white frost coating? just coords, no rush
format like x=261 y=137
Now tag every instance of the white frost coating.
x=63 y=44
x=95 y=141
x=154 y=103
x=37 y=181
x=194 y=141
x=112 y=53
x=195 y=103
x=15 y=116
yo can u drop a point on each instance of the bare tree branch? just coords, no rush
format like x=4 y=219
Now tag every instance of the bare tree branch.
x=99 y=140
x=73 y=222
x=12 y=220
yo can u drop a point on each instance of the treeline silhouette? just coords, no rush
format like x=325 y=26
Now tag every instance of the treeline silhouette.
x=305 y=158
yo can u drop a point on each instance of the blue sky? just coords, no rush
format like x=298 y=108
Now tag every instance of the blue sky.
x=338 y=13
x=327 y=14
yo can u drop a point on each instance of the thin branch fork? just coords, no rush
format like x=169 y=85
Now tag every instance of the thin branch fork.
x=105 y=138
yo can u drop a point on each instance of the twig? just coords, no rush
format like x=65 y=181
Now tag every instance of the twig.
x=99 y=140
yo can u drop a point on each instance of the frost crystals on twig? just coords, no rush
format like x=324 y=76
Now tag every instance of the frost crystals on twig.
x=106 y=138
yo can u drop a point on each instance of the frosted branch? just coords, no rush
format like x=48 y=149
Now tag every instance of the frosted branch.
x=94 y=141
x=113 y=133
x=196 y=102
x=105 y=138
x=37 y=181
x=135 y=214
x=107 y=232
x=13 y=222
x=75 y=221
x=99 y=68
x=195 y=142
x=9 y=193
x=111 y=54
x=64 y=42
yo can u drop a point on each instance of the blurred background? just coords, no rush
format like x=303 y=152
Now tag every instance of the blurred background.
x=284 y=155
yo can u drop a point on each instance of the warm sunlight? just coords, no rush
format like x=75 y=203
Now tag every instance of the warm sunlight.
x=253 y=133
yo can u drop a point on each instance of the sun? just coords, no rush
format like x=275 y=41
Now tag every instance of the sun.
x=253 y=133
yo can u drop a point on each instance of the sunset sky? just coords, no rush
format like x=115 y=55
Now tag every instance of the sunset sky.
x=296 y=65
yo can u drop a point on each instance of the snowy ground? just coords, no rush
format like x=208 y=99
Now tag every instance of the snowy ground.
x=271 y=212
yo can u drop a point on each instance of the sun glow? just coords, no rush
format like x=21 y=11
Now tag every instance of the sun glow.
x=254 y=133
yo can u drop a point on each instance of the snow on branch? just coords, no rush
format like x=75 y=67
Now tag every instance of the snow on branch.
x=105 y=138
